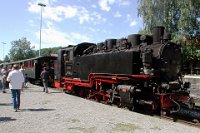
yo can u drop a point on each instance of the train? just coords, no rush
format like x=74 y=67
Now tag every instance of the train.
x=136 y=72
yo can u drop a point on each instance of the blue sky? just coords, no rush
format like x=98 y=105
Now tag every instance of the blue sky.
x=66 y=22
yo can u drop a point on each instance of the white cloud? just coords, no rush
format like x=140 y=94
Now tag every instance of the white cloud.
x=52 y=37
x=117 y=14
x=105 y=4
x=133 y=23
x=61 y=13
x=33 y=7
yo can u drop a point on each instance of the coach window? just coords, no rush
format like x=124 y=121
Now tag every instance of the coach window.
x=31 y=63
x=25 y=64
x=35 y=62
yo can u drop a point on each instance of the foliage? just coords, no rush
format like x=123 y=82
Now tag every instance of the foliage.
x=190 y=54
x=48 y=51
x=6 y=59
x=179 y=17
x=191 y=57
x=21 y=49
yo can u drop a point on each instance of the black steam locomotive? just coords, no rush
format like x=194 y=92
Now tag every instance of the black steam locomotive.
x=140 y=71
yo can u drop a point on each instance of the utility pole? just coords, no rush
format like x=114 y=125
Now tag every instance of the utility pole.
x=41 y=5
x=3 y=49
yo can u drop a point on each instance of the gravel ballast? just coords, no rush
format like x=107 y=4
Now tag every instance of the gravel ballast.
x=57 y=112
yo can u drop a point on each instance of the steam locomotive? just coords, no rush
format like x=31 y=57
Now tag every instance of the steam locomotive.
x=140 y=71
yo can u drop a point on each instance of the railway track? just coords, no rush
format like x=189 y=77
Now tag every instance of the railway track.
x=179 y=120
x=182 y=118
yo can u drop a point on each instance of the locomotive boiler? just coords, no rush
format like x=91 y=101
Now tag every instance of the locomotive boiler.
x=140 y=71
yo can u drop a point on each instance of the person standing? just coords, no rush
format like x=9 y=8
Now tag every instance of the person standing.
x=26 y=80
x=45 y=79
x=16 y=80
x=3 y=79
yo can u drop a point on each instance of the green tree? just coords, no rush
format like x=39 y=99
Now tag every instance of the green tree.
x=21 y=49
x=48 y=51
x=7 y=59
x=190 y=57
x=178 y=17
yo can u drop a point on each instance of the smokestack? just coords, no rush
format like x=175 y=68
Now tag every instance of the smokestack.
x=158 y=33
x=134 y=39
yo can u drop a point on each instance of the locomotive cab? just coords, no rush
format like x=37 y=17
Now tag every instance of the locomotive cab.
x=64 y=63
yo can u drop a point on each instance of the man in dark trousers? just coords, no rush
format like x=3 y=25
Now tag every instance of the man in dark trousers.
x=45 y=79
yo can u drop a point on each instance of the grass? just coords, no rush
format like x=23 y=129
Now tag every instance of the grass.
x=83 y=129
x=127 y=127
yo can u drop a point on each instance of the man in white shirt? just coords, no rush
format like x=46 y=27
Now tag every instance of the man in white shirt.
x=16 y=80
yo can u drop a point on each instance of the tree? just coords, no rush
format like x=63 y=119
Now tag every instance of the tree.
x=48 y=51
x=178 y=17
x=21 y=49
x=6 y=59
x=190 y=57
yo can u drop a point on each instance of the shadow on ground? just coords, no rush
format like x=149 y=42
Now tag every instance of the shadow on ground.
x=5 y=104
x=55 y=92
x=37 y=110
x=31 y=90
x=41 y=90
x=6 y=119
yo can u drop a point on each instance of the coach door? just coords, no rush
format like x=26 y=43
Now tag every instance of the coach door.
x=68 y=58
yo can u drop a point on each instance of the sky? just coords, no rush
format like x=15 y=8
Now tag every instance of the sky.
x=66 y=22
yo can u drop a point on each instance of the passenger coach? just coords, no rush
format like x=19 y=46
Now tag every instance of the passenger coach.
x=34 y=66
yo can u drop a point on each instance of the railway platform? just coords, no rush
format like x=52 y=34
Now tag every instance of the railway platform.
x=63 y=113
x=195 y=85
